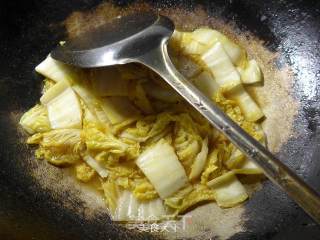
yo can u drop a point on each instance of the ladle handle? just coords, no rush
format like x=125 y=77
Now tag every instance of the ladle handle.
x=273 y=168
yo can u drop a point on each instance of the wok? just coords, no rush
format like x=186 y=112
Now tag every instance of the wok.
x=38 y=201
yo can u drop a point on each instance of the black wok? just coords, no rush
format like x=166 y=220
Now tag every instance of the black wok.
x=30 y=209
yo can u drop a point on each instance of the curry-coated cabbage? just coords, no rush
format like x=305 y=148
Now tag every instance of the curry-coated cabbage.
x=127 y=133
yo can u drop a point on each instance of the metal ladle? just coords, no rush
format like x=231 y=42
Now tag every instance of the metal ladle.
x=143 y=38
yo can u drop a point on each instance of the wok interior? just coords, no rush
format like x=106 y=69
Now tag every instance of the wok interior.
x=59 y=196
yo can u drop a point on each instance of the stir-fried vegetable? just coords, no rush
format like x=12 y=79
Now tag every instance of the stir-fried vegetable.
x=228 y=190
x=248 y=106
x=57 y=71
x=251 y=73
x=111 y=193
x=206 y=84
x=98 y=167
x=163 y=94
x=153 y=154
x=162 y=167
x=108 y=82
x=189 y=196
x=84 y=172
x=64 y=111
x=199 y=161
x=219 y=63
x=119 y=109
x=36 y=120
x=129 y=208
x=54 y=91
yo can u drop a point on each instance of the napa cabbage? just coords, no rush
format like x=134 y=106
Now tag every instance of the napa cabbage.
x=151 y=152
x=35 y=120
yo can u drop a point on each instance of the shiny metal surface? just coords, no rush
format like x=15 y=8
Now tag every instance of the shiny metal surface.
x=148 y=45
x=121 y=41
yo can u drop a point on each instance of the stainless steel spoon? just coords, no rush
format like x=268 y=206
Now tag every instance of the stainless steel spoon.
x=143 y=38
